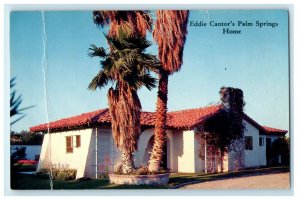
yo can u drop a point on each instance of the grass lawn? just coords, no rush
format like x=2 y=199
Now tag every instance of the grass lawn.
x=27 y=181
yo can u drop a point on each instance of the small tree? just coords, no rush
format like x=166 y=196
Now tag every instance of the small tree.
x=26 y=138
x=226 y=126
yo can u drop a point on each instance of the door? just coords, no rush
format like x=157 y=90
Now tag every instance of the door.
x=268 y=150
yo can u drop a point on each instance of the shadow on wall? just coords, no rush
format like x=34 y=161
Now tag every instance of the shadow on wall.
x=147 y=153
x=177 y=148
x=91 y=158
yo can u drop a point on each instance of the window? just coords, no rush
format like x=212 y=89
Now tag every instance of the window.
x=248 y=143
x=71 y=142
x=261 y=141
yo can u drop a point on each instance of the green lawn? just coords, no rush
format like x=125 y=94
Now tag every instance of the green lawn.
x=28 y=181
x=25 y=181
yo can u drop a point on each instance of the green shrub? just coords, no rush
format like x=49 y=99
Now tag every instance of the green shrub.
x=59 y=174
x=143 y=170
x=103 y=176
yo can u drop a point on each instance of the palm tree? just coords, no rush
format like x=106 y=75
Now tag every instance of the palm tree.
x=127 y=67
x=15 y=103
x=170 y=34
x=128 y=21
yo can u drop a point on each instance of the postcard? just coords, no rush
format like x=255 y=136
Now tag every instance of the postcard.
x=150 y=99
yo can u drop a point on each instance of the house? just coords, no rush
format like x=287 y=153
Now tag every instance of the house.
x=85 y=143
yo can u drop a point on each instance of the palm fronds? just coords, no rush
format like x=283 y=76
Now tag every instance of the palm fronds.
x=125 y=107
x=170 y=34
x=126 y=62
x=127 y=21
x=15 y=102
x=129 y=67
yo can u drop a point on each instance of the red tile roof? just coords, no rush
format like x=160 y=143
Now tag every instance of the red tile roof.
x=190 y=117
x=264 y=129
x=185 y=119
x=274 y=130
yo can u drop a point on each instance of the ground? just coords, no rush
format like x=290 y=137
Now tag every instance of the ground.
x=270 y=181
x=259 y=177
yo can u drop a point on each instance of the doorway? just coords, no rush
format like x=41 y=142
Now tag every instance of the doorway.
x=268 y=150
x=148 y=150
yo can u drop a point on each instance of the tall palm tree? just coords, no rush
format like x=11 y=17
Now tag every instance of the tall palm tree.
x=170 y=34
x=127 y=67
x=129 y=21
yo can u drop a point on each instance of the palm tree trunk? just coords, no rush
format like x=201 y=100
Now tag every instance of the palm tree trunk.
x=160 y=125
x=127 y=162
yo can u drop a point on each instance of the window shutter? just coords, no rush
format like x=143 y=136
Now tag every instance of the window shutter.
x=78 y=141
x=69 y=146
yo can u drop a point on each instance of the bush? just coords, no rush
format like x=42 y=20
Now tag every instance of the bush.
x=19 y=153
x=103 y=176
x=26 y=138
x=59 y=174
x=143 y=170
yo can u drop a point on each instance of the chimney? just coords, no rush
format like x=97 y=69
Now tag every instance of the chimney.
x=232 y=99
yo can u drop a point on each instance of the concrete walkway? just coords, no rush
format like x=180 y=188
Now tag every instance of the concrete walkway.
x=269 y=181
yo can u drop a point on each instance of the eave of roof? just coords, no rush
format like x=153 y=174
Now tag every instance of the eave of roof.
x=276 y=131
x=182 y=119
x=264 y=129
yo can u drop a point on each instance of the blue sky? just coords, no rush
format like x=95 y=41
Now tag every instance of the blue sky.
x=256 y=61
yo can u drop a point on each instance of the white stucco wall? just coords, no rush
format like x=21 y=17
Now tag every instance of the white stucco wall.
x=236 y=156
x=184 y=151
x=199 y=163
x=252 y=157
x=84 y=158
x=145 y=147
x=257 y=157
x=262 y=152
x=44 y=155
x=108 y=155
x=54 y=151
x=177 y=149
x=142 y=155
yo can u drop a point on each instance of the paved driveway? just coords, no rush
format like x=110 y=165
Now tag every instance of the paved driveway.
x=269 y=181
